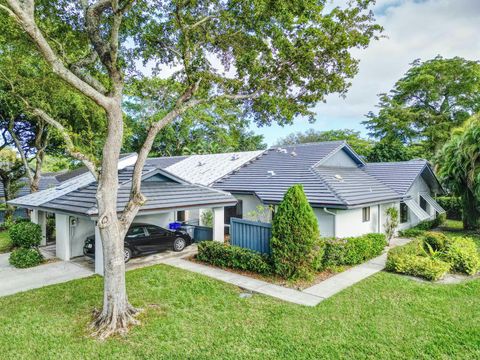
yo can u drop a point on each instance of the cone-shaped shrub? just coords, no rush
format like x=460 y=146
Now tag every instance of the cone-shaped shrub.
x=297 y=250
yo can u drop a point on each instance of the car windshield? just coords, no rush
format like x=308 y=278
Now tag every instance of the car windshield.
x=155 y=230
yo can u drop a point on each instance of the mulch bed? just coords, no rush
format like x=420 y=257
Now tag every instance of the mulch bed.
x=273 y=279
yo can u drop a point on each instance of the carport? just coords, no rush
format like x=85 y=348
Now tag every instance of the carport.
x=76 y=209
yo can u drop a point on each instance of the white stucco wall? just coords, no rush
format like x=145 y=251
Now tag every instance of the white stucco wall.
x=85 y=227
x=350 y=222
x=156 y=219
x=249 y=205
x=340 y=158
x=326 y=222
x=418 y=187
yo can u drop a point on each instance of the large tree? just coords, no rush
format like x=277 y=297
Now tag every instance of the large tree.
x=459 y=169
x=203 y=130
x=27 y=84
x=11 y=172
x=361 y=145
x=431 y=99
x=275 y=60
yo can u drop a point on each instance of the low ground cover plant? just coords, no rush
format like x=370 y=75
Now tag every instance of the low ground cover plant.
x=433 y=254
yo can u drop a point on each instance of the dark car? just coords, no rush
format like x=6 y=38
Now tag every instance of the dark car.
x=146 y=239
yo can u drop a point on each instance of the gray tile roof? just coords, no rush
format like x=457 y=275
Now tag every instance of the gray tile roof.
x=400 y=175
x=161 y=195
x=302 y=164
x=354 y=186
x=46 y=181
x=291 y=165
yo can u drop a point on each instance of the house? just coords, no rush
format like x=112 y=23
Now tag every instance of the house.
x=349 y=197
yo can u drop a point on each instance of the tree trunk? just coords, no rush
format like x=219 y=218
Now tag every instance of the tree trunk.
x=117 y=313
x=6 y=195
x=471 y=211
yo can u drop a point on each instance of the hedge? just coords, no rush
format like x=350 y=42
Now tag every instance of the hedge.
x=452 y=205
x=234 y=257
x=422 y=227
x=353 y=250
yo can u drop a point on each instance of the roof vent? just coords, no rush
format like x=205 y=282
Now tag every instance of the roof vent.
x=201 y=163
x=282 y=150
x=235 y=157
x=293 y=153
x=338 y=177
x=271 y=172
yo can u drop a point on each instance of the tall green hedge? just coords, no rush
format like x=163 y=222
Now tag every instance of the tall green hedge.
x=297 y=250
x=452 y=205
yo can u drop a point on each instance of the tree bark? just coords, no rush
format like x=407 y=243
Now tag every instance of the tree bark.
x=117 y=313
x=471 y=211
x=6 y=195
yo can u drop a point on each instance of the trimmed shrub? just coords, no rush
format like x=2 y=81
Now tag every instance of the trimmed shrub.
x=452 y=205
x=411 y=233
x=462 y=253
x=25 y=234
x=297 y=250
x=439 y=220
x=353 y=250
x=436 y=240
x=408 y=260
x=234 y=257
x=25 y=258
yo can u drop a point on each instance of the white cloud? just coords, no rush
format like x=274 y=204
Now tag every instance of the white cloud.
x=414 y=29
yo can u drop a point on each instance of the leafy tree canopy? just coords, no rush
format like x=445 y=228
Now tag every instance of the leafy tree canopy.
x=361 y=145
x=432 y=98
x=459 y=169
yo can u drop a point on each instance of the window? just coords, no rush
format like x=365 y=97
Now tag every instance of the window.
x=181 y=215
x=152 y=230
x=403 y=213
x=136 y=232
x=366 y=214
x=233 y=211
x=423 y=204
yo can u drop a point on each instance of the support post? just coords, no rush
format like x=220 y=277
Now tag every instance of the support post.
x=218 y=224
x=62 y=234
x=98 y=252
x=40 y=217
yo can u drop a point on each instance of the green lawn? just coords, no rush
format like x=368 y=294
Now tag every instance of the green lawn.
x=5 y=243
x=455 y=228
x=192 y=316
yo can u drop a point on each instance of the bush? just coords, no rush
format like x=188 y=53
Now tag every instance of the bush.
x=452 y=205
x=234 y=257
x=439 y=220
x=25 y=258
x=297 y=250
x=25 y=234
x=411 y=233
x=436 y=240
x=408 y=259
x=463 y=254
x=353 y=250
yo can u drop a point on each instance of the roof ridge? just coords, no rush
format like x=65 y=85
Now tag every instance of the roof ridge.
x=307 y=144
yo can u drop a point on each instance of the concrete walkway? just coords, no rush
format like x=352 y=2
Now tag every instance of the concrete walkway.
x=13 y=280
x=310 y=296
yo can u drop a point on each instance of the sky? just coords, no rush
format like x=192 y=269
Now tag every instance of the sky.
x=413 y=29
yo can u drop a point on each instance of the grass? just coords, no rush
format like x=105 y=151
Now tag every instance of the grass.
x=191 y=316
x=455 y=228
x=5 y=242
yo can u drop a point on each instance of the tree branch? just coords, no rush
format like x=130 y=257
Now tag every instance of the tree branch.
x=68 y=141
x=24 y=16
x=78 y=68
x=19 y=147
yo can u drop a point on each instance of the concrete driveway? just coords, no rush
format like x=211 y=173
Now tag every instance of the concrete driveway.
x=14 y=280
